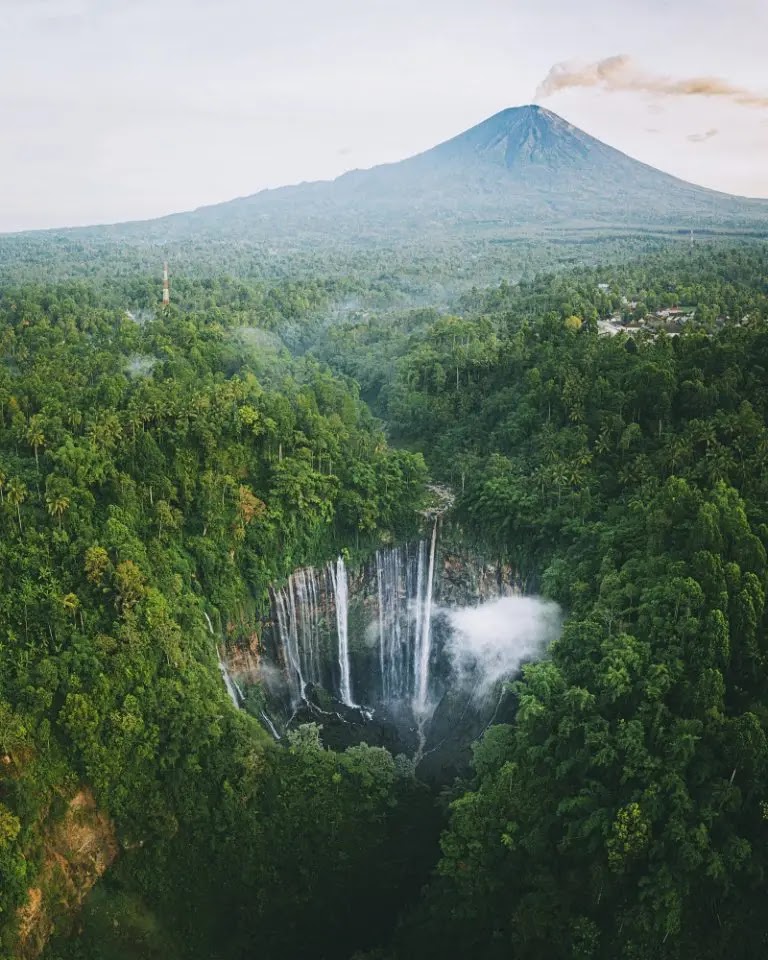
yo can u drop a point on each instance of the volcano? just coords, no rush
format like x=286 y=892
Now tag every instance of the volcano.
x=523 y=170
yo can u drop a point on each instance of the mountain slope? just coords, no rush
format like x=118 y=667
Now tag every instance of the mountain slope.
x=524 y=169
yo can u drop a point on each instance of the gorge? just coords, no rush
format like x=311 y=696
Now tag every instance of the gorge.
x=409 y=648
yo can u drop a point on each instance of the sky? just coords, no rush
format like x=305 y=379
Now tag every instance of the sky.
x=115 y=110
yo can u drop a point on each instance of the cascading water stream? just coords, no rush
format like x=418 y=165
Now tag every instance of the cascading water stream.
x=394 y=623
x=424 y=637
x=235 y=693
x=362 y=647
x=341 y=602
x=303 y=588
x=418 y=614
x=380 y=585
x=270 y=725
x=232 y=689
x=315 y=658
x=286 y=624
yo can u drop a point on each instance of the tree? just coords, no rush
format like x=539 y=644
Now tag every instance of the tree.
x=35 y=437
x=57 y=505
x=17 y=494
x=97 y=563
x=129 y=583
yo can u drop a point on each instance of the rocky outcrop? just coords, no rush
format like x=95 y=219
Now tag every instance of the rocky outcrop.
x=243 y=659
x=77 y=850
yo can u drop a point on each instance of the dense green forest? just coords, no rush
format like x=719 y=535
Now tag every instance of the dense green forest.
x=383 y=274
x=151 y=473
x=157 y=466
x=624 y=812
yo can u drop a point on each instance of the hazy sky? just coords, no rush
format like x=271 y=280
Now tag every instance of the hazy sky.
x=123 y=109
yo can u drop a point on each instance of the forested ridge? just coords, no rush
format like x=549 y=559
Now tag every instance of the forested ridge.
x=624 y=812
x=152 y=473
x=160 y=466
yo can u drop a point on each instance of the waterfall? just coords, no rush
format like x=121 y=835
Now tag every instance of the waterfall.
x=311 y=616
x=380 y=586
x=405 y=585
x=410 y=649
x=341 y=602
x=303 y=589
x=302 y=610
x=297 y=608
x=394 y=622
x=285 y=614
x=235 y=693
x=270 y=725
x=424 y=629
x=315 y=659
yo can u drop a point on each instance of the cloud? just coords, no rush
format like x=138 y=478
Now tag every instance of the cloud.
x=490 y=642
x=621 y=74
x=701 y=137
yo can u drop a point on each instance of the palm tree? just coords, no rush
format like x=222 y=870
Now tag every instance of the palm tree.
x=57 y=505
x=719 y=463
x=559 y=476
x=35 y=438
x=106 y=431
x=681 y=451
x=74 y=418
x=71 y=603
x=17 y=494
x=603 y=441
x=706 y=433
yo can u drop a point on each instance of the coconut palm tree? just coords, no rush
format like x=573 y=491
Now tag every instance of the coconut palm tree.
x=57 y=505
x=35 y=438
x=17 y=494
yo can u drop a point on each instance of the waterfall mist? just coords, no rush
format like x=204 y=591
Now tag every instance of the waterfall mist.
x=489 y=642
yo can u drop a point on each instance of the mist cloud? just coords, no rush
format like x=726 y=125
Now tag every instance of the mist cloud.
x=490 y=642
x=621 y=74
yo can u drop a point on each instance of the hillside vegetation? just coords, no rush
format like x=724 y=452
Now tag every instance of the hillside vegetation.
x=161 y=466
x=150 y=473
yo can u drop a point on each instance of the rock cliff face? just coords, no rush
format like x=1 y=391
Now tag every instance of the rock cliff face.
x=466 y=578
x=244 y=658
x=77 y=850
